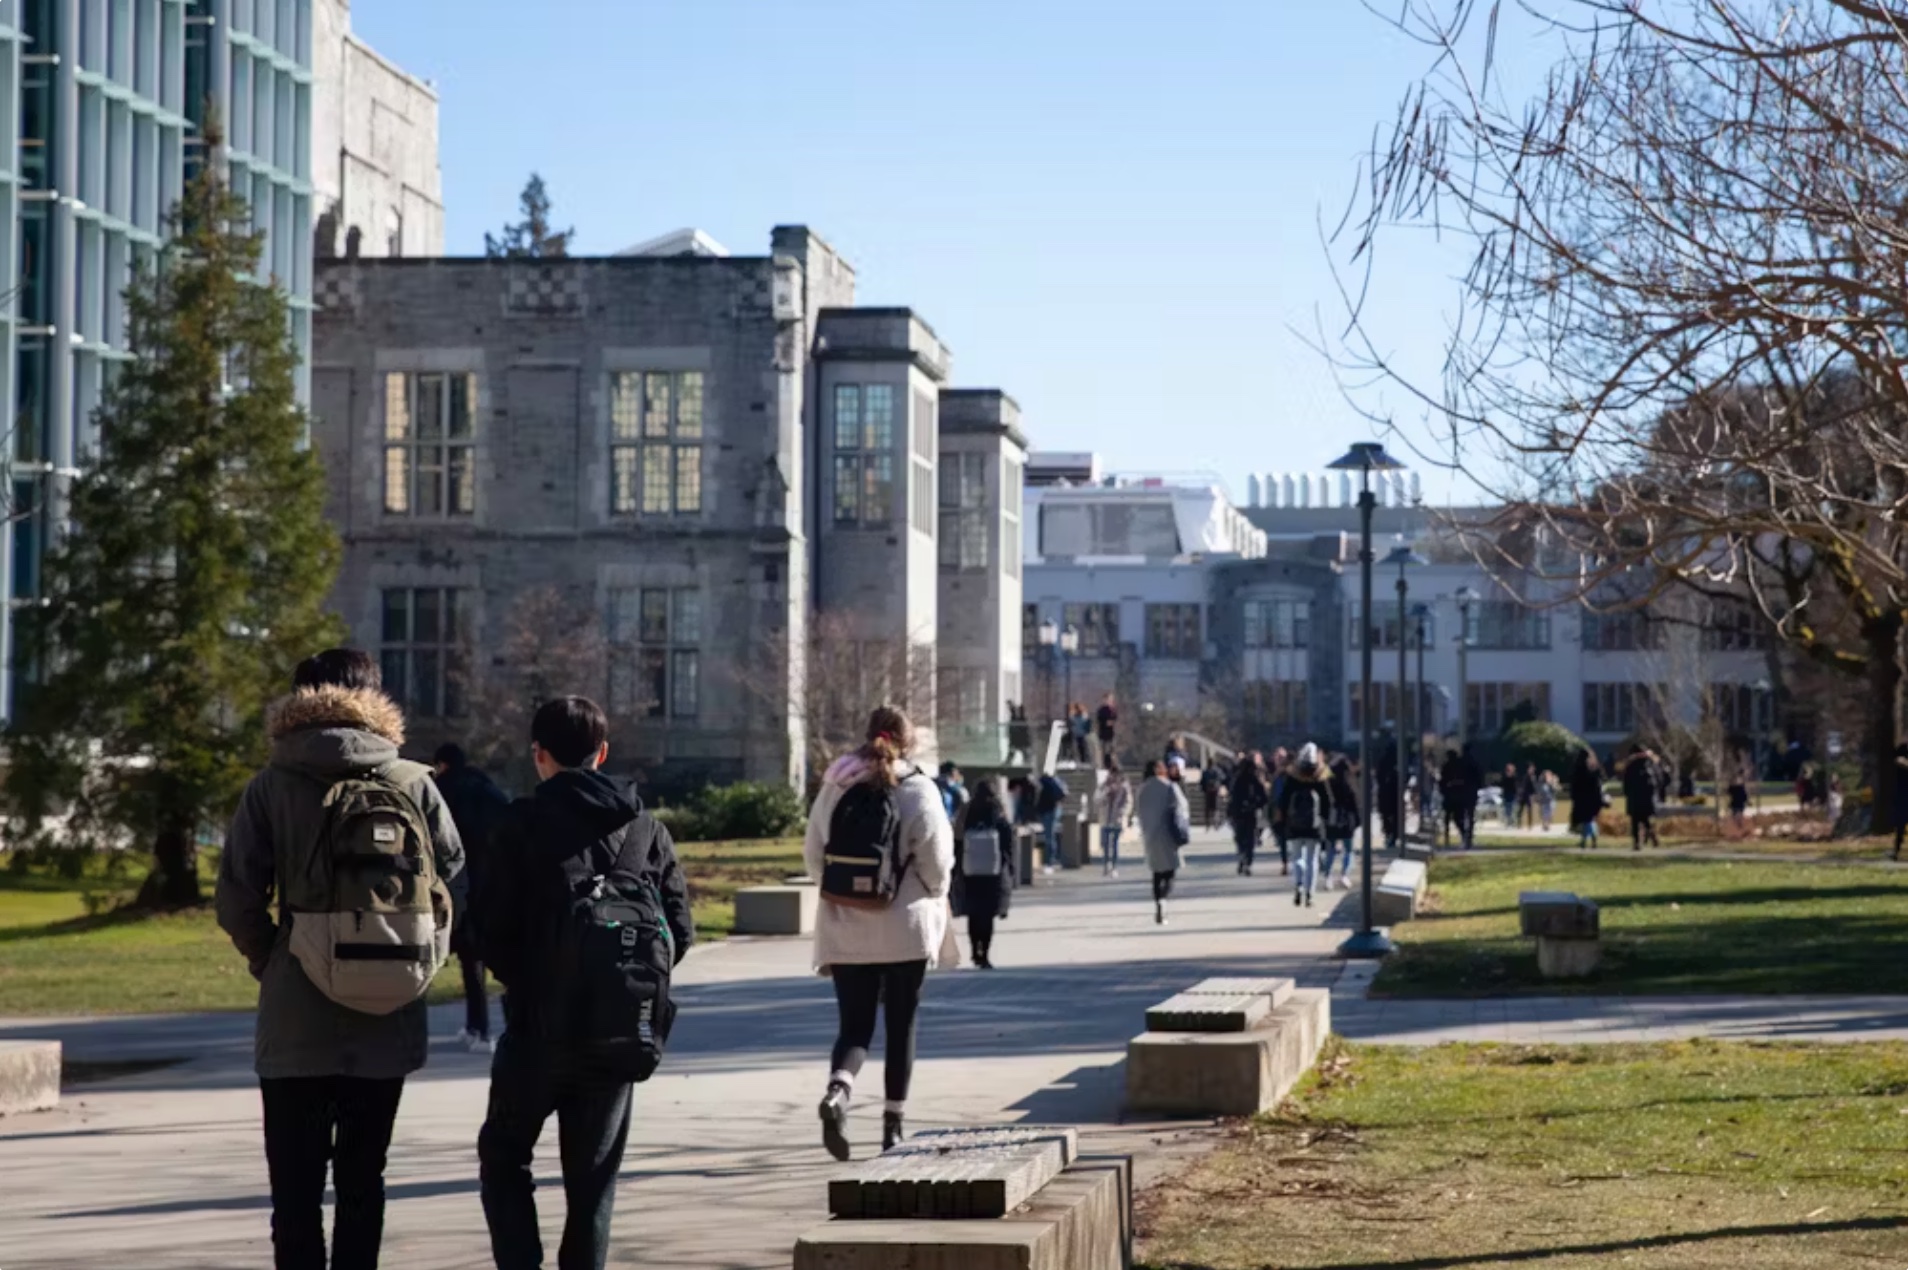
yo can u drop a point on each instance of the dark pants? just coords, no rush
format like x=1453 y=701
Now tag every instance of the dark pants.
x=1642 y=830
x=317 y=1121
x=980 y=933
x=526 y=1086
x=1285 y=848
x=863 y=992
x=1162 y=886
x=1245 y=839
x=476 y=1001
x=1211 y=797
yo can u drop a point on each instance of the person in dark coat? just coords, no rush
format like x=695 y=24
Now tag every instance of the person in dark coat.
x=477 y=806
x=1463 y=780
x=1388 y=798
x=1343 y=830
x=984 y=890
x=1586 y=797
x=1639 y=797
x=1901 y=797
x=1251 y=795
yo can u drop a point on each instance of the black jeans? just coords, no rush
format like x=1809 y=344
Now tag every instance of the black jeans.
x=476 y=1001
x=1162 y=886
x=862 y=992
x=526 y=1086
x=980 y=933
x=343 y=1122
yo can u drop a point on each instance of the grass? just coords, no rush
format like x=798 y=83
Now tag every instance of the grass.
x=1671 y=926
x=1684 y=1156
x=67 y=946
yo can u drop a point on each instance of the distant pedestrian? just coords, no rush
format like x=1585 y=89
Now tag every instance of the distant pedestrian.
x=1107 y=722
x=1211 y=781
x=1250 y=800
x=1079 y=732
x=1463 y=780
x=1343 y=829
x=1175 y=757
x=477 y=806
x=1305 y=808
x=1280 y=773
x=1165 y=822
x=1586 y=798
x=1901 y=798
x=1390 y=800
x=1739 y=794
x=1116 y=812
x=1507 y=794
x=885 y=853
x=1526 y=795
x=1019 y=733
x=1050 y=802
x=984 y=867
x=1546 y=799
x=1639 y=797
x=953 y=790
x=584 y=914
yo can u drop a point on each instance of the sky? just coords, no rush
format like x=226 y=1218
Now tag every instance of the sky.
x=1116 y=211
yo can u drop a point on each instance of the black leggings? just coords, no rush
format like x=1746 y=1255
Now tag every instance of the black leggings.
x=980 y=933
x=861 y=992
x=1643 y=829
x=1162 y=886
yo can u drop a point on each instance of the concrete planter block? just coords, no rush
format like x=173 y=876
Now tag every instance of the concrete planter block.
x=29 y=1076
x=958 y=1173
x=1558 y=914
x=1278 y=990
x=1081 y=1220
x=1421 y=852
x=776 y=910
x=1399 y=894
x=1568 y=958
x=1228 y=1073
x=1208 y=1012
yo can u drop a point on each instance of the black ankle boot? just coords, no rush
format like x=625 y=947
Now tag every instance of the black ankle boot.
x=892 y=1130
x=834 y=1118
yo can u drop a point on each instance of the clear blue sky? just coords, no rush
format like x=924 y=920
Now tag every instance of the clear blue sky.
x=1110 y=209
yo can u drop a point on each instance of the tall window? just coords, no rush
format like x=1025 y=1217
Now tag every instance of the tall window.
x=1507 y=625
x=1278 y=624
x=1742 y=709
x=964 y=512
x=1384 y=626
x=430 y=458
x=1010 y=519
x=1099 y=627
x=1622 y=632
x=1280 y=704
x=421 y=651
x=1029 y=628
x=1172 y=630
x=964 y=692
x=921 y=468
x=1618 y=707
x=656 y=443
x=656 y=663
x=1385 y=694
x=1489 y=706
x=864 y=454
x=1735 y=627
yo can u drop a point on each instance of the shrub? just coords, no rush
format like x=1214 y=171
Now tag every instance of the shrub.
x=683 y=824
x=748 y=810
x=1551 y=746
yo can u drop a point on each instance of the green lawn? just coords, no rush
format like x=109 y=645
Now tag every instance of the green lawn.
x=1671 y=926
x=66 y=947
x=1686 y=1156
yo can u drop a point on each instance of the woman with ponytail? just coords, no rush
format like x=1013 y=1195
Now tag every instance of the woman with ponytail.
x=877 y=945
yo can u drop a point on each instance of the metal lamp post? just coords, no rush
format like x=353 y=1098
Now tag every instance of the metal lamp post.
x=1403 y=556
x=1421 y=617
x=1069 y=645
x=1365 y=458
x=1048 y=634
x=1464 y=597
x=1761 y=688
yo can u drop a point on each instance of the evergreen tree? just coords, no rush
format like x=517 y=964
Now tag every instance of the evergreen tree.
x=531 y=236
x=195 y=571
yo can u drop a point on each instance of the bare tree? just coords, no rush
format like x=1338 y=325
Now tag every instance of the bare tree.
x=1682 y=359
x=552 y=644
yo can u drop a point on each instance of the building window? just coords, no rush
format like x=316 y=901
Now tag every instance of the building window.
x=421 y=651
x=1622 y=632
x=656 y=663
x=1278 y=624
x=1384 y=626
x=1029 y=629
x=921 y=469
x=964 y=513
x=656 y=443
x=864 y=454
x=1172 y=630
x=1385 y=694
x=430 y=455
x=964 y=695
x=1099 y=627
x=1010 y=547
x=1506 y=625
x=1742 y=709
x=1735 y=627
x=1281 y=705
x=1490 y=707
x=1619 y=708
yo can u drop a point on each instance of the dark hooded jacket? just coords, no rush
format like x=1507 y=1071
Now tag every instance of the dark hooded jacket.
x=576 y=826
x=319 y=736
x=1306 y=781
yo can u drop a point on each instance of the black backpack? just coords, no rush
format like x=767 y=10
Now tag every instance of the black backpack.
x=1304 y=815
x=610 y=974
x=861 y=864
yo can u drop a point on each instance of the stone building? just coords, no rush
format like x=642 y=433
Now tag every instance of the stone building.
x=713 y=460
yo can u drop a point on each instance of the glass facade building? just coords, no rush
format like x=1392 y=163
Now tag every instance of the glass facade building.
x=106 y=107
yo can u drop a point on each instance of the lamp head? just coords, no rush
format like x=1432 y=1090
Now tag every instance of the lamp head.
x=1048 y=633
x=1366 y=456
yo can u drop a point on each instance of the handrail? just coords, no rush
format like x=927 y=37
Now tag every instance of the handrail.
x=1056 y=734
x=1210 y=748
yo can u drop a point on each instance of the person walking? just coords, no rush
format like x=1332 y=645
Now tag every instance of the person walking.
x=1901 y=798
x=1305 y=808
x=984 y=866
x=1165 y=822
x=953 y=791
x=1107 y=723
x=1639 y=797
x=1175 y=757
x=1507 y=795
x=1116 y=812
x=1343 y=827
x=331 y=1072
x=1586 y=798
x=1546 y=799
x=1281 y=762
x=1390 y=799
x=583 y=913
x=1211 y=781
x=1739 y=794
x=1050 y=801
x=1079 y=732
x=878 y=820
x=476 y=806
x=1250 y=799
x=1463 y=781
x=1526 y=795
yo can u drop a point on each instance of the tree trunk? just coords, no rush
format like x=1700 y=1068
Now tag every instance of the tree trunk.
x=1884 y=684
x=174 y=880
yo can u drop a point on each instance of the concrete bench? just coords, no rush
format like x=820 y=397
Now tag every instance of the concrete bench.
x=1568 y=930
x=776 y=910
x=1228 y=1073
x=29 y=1076
x=1220 y=1005
x=1399 y=894
x=1080 y=1220
x=985 y=1172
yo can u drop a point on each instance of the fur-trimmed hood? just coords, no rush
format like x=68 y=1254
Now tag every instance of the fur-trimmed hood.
x=360 y=709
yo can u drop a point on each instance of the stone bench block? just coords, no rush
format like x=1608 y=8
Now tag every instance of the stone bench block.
x=29 y=1076
x=1559 y=958
x=1228 y=1073
x=1419 y=852
x=954 y=1173
x=1081 y=1220
x=776 y=910
x=1278 y=990
x=1399 y=894
x=1208 y=1012
x=1558 y=914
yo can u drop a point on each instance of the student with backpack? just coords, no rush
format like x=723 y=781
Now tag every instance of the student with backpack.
x=476 y=806
x=984 y=867
x=884 y=851
x=1342 y=830
x=359 y=851
x=1251 y=797
x=1305 y=809
x=1051 y=801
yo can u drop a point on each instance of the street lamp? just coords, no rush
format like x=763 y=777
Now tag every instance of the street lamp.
x=1421 y=617
x=1365 y=458
x=1759 y=731
x=1403 y=556
x=1464 y=598
x=1069 y=645
x=1048 y=634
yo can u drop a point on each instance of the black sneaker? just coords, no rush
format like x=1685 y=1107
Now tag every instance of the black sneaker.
x=892 y=1130
x=1308 y=899
x=834 y=1118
